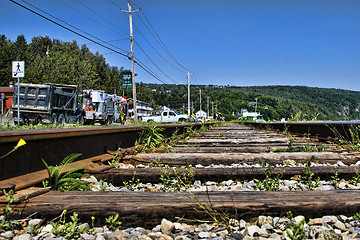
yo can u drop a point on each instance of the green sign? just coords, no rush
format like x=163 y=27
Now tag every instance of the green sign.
x=126 y=79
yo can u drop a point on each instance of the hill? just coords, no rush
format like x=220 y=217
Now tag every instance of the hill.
x=274 y=102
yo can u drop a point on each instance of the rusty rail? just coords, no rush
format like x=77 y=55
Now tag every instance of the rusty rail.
x=53 y=145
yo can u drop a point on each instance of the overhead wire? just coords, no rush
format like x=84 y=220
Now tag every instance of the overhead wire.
x=64 y=23
x=155 y=48
x=81 y=13
x=138 y=62
x=151 y=60
x=79 y=34
x=82 y=4
x=158 y=39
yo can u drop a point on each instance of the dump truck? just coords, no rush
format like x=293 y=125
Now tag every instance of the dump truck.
x=46 y=103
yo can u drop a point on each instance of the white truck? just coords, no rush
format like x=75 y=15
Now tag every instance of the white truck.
x=167 y=117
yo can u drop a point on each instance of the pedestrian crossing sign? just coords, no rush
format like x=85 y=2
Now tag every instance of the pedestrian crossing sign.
x=18 y=69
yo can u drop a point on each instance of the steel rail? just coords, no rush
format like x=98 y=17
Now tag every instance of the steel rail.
x=53 y=145
x=321 y=130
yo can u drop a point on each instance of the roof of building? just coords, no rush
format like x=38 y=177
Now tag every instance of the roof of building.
x=6 y=89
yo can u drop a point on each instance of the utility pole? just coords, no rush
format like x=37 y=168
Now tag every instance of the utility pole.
x=132 y=61
x=256 y=104
x=188 y=77
x=212 y=107
x=200 y=99
x=208 y=113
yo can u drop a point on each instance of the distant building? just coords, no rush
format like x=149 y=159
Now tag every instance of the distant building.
x=252 y=116
x=6 y=101
x=201 y=114
x=143 y=109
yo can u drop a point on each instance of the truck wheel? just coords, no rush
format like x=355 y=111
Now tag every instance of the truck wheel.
x=38 y=121
x=26 y=121
x=81 y=120
x=61 y=119
x=182 y=120
x=109 y=120
x=53 y=119
x=67 y=118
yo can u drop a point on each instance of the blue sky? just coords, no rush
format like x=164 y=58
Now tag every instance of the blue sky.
x=223 y=42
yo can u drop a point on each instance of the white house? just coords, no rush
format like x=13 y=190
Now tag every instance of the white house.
x=201 y=114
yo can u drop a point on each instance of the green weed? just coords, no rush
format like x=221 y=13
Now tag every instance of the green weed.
x=65 y=181
x=113 y=222
x=132 y=183
x=271 y=181
x=308 y=175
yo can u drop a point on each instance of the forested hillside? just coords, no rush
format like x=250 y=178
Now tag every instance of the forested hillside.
x=50 y=60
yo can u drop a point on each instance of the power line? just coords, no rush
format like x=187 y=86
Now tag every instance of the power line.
x=100 y=16
x=154 y=62
x=138 y=62
x=151 y=59
x=64 y=23
x=155 y=49
x=149 y=71
x=162 y=45
x=89 y=17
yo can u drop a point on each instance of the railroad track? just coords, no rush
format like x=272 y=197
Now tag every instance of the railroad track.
x=226 y=153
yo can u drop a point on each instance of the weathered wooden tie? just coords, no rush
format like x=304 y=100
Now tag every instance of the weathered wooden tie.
x=152 y=175
x=148 y=208
x=205 y=159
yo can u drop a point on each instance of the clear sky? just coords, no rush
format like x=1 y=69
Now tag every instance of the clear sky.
x=222 y=42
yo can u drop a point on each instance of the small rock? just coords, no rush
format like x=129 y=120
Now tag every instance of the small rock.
x=117 y=235
x=236 y=236
x=159 y=236
x=299 y=218
x=34 y=222
x=296 y=178
x=229 y=182
x=315 y=221
x=329 y=219
x=253 y=231
x=325 y=235
x=222 y=233
x=83 y=226
x=182 y=238
x=267 y=227
x=340 y=163
x=275 y=236
x=86 y=236
x=23 y=237
x=100 y=237
x=340 y=225
x=204 y=235
x=48 y=228
x=265 y=220
x=7 y=234
x=166 y=226
x=289 y=162
x=326 y=187
x=199 y=166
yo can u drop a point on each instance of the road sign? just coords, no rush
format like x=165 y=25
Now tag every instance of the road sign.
x=126 y=79
x=2 y=96
x=18 y=69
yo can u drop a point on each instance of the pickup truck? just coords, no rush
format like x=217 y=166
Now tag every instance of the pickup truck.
x=167 y=117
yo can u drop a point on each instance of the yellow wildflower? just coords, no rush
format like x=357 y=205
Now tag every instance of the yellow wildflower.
x=20 y=143
x=92 y=218
x=64 y=211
